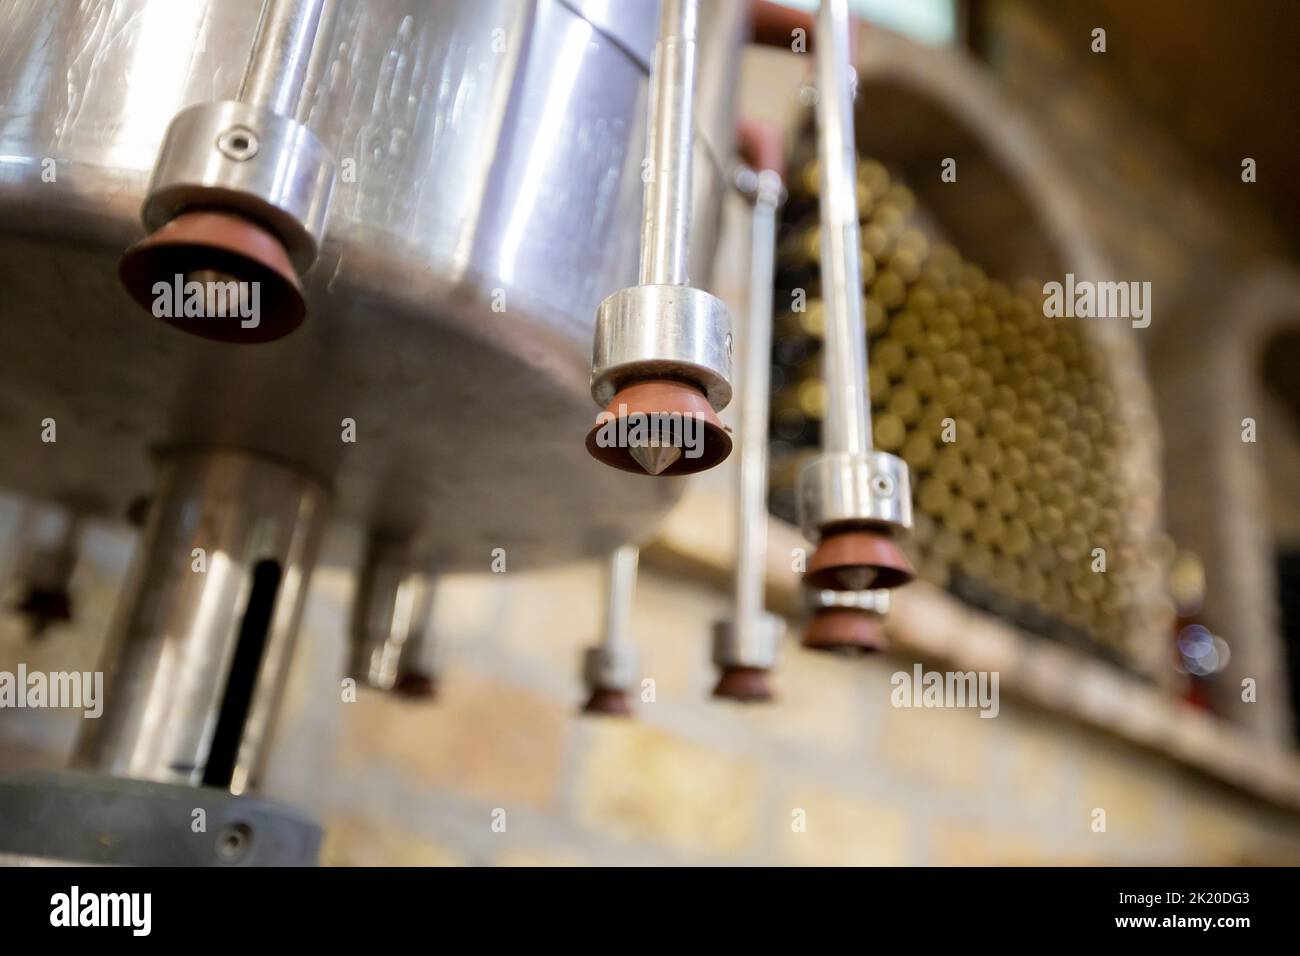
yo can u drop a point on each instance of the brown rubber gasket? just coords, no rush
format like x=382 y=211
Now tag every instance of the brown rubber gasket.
x=845 y=629
x=607 y=703
x=749 y=685
x=224 y=243
x=858 y=559
x=415 y=685
x=653 y=398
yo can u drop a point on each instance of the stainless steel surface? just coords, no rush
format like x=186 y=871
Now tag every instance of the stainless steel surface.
x=665 y=222
x=670 y=330
x=390 y=616
x=611 y=664
x=474 y=176
x=169 y=654
x=838 y=488
x=875 y=600
x=751 y=471
x=282 y=48
x=847 y=424
x=247 y=159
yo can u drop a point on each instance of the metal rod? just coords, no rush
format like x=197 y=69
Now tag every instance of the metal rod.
x=278 y=61
x=847 y=426
x=665 y=225
x=618 y=607
x=755 y=380
x=390 y=614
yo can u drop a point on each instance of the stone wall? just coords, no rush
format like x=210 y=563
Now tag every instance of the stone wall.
x=690 y=780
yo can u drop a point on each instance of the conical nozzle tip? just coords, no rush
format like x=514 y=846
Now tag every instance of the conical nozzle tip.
x=655 y=459
x=659 y=427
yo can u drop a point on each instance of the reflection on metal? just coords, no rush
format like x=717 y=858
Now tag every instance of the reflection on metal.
x=745 y=647
x=852 y=499
x=197 y=658
x=609 y=668
x=391 y=620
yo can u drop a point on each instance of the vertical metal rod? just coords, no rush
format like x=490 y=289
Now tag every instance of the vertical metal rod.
x=390 y=614
x=755 y=380
x=665 y=224
x=277 y=63
x=618 y=607
x=848 y=415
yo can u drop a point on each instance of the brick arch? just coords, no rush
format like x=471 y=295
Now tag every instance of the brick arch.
x=1210 y=372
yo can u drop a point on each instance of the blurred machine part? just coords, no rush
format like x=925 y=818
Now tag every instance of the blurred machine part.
x=391 y=617
x=846 y=621
x=194 y=672
x=609 y=668
x=48 y=542
x=196 y=662
x=746 y=645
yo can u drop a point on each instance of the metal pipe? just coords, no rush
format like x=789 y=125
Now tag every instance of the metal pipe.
x=756 y=364
x=609 y=667
x=665 y=226
x=847 y=425
x=391 y=617
x=277 y=64
x=195 y=664
x=618 y=605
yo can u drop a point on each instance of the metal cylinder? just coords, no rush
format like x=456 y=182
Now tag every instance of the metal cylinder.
x=751 y=474
x=622 y=586
x=847 y=427
x=246 y=159
x=391 y=616
x=665 y=227
x=610 y=666
x=278 y=62
x=197 y=658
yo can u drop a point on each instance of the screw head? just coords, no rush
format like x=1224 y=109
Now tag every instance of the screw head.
x=238 y=143
x=234 y=842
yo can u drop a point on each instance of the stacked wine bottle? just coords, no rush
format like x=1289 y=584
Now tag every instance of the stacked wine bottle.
x=1007 y=419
